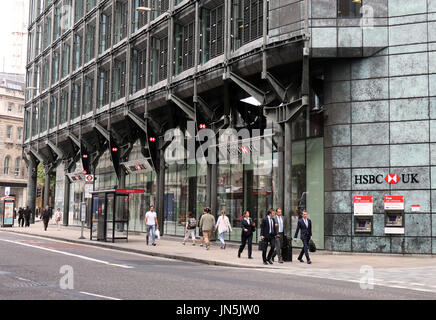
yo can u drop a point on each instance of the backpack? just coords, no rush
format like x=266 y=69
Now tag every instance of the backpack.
x=192 y=223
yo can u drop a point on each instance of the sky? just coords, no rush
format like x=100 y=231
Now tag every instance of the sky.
x=13 y=18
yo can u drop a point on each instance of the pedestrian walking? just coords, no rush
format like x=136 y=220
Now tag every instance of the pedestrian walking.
x=248 y=226
x=37 y=212
x=21 y=217
x=45 y=217
x=207 y=225
x=223 y=226
x=304 y=225
x=152 y=224
x=268 y=234
x=191 y=225
x=58 y=217
x=200 y=232
x=281 y=224
x=27 y=215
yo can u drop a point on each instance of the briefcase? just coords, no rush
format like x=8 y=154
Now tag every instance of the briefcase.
x=262 y=245
x=287 y=249
x=312 y=246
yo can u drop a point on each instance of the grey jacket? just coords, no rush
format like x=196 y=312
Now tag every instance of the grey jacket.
x=207 y=222
x=286 y=226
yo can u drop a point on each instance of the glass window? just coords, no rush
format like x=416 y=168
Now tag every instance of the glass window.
x=19 y=133
x=9 y=132
x=66 y=15
x=184 y=47
x=90 y=4
x=212 y=44
x=64 y=106
x=47 y=30
x=38 y=39
x=57 y=23
x=247 y=21
x=120 y=27
x=78 y=10
x=30 y=46
x=139 y=19
x=35 y=121
x=17 y=166
x=159 y=7
x=158 y=60
x=75 y=104
x=138 y=59
x=65 y=59
x=119 y=79
x=27 y=119
x=43 y=116
x=55 y=66
x=90 y=42
x=45 y=73
x=349 y=8
x=6 y=165
x=88 y=94
x=103 y=87
x=53 y=111
x=10 y=106
x=77 y=61
x=105 y=30
x=37 y=77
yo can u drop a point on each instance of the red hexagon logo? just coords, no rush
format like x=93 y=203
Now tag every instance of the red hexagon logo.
x=392 y=178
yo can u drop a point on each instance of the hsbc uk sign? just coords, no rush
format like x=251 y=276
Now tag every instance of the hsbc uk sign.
x=390 y=178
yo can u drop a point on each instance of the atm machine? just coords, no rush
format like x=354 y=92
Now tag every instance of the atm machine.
x=363 y=213
x=394 y=214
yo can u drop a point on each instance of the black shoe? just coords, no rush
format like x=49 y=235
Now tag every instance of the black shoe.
x=154 y=244
x=250 y=257
x=239 y=254
x=270 y=262
x=280 y=261
x=309 y=262
x=265 y=262
x=301 y=260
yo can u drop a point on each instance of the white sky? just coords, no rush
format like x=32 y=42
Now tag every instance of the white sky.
x=13 y=18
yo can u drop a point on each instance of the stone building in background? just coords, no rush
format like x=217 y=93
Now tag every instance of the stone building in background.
x=13 y=171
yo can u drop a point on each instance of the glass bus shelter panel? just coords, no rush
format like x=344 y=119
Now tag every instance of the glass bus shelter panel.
x=110 y=198
x=121 y=221
x=98 y=218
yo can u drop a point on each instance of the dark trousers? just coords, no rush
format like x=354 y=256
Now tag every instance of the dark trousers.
x=305 y=249
x=45 y=223
x=244 y=240
x=27 y=221
x=279 y=245
x=21 y=222
x=268 y=240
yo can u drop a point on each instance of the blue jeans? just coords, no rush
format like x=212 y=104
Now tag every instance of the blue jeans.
x=153 y=236
x=221 y=237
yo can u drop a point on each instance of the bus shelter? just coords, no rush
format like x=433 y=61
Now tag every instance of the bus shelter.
x=110 y=214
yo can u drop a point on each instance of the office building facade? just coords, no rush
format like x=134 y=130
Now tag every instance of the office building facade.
x=329 y=100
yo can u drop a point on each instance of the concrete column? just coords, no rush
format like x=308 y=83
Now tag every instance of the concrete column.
x=213 y=188
x=208 y=185
x=288 y=170
x=281 y=168
x=122 y=181
x=31 y=185
x=46 y=187
x=161 y=191
x=66 y=197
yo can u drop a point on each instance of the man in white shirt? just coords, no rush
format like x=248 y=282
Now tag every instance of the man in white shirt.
x=152 y=224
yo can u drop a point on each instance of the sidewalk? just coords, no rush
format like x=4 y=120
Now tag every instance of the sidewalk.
x=172 y=247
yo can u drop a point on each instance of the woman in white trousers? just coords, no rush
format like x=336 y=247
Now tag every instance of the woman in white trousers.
x=223 y=226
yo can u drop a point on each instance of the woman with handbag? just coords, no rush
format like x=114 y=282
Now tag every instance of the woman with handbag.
x=191 y=225
x=58 y=217
x=223 y=226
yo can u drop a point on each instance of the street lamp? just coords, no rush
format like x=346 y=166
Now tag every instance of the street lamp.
x=147 y=9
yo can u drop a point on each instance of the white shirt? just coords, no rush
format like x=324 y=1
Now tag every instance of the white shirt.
x=280 y=221
x=306 y=223
x=271 y=223
x=150 y=217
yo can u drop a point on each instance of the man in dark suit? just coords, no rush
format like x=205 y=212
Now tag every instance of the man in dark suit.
x=304 y=225
x=248 y=226
x=268 y=235
x=282 y=226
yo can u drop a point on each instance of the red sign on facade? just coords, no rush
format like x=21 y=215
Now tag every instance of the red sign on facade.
x=363 y=199
x=129 y=191
x=363 y=206
x=394 y=202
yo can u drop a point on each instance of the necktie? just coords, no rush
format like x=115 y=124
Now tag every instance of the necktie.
x=280 y=224
x=305 y=222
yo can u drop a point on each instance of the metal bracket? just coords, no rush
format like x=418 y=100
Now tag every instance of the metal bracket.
x=186 y=108
x=40 y=157
x=280 y=90
x=102 y=131
x=204 y=108
x=55 y=149
x=156 y=126
x=284 y=112
x=137 y=120
x=252 y=90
